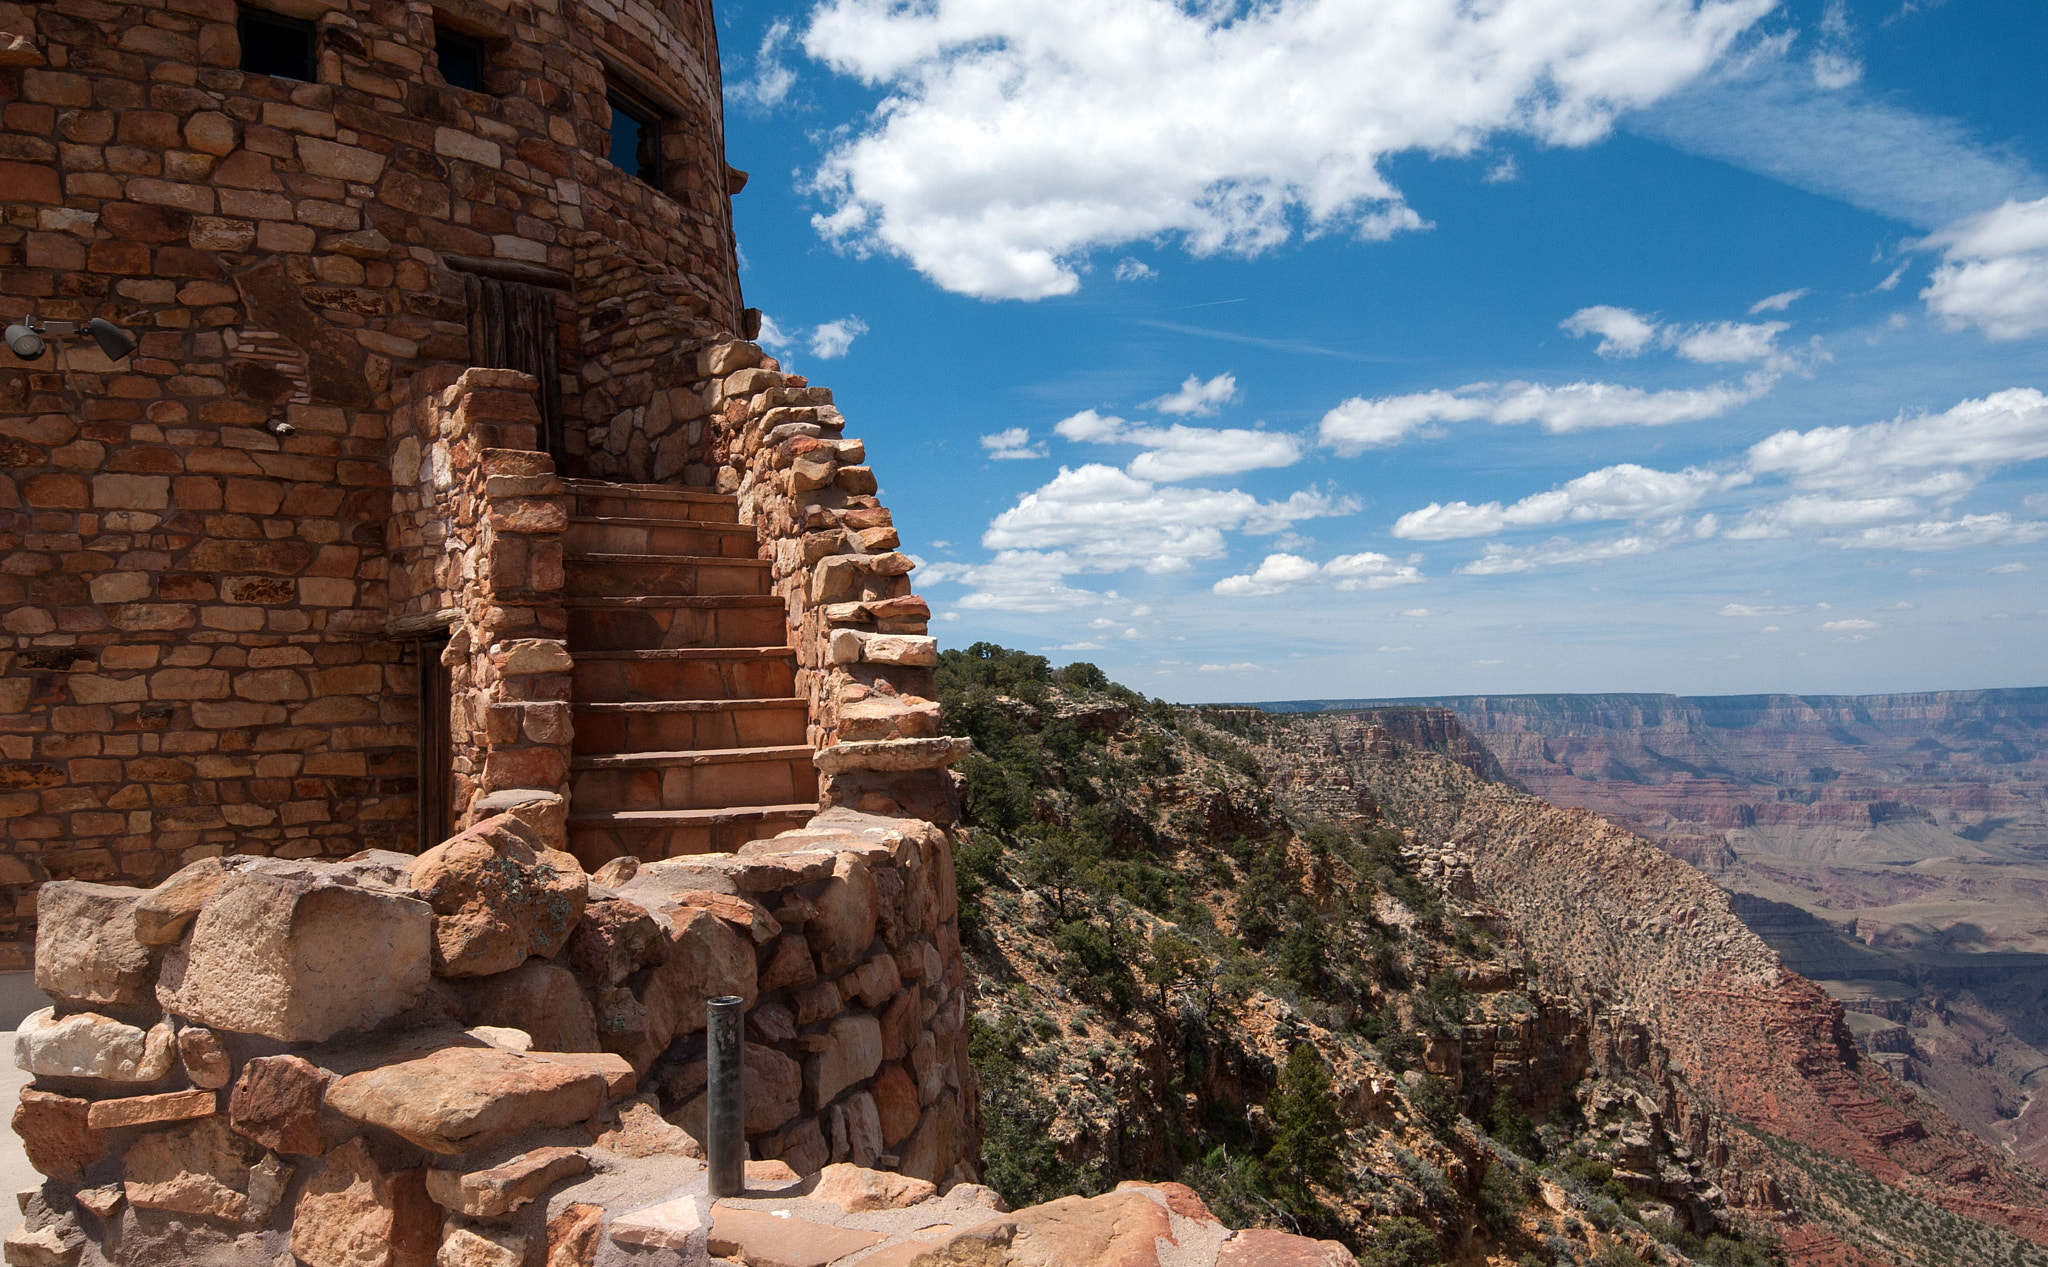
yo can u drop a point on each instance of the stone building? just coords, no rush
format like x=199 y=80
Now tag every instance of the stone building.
x=284 y=581
x=443 y=638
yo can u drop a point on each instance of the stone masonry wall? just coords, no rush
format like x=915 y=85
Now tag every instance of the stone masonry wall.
x=477 y=518
x=196 y=641
x=368 y=1062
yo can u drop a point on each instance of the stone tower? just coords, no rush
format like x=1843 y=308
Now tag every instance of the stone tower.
x=285 y=581
x=442 y=541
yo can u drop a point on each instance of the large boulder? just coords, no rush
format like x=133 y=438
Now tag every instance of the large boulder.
x=614 y=940
x=542 y=1000
x=354 y=1213
x=88 y=1045
x=277 y=1103
x=499 y=897
x=705 y=959
x=1117 y=1229
x=461 y=1098
x=300 y=952
x=86 y=952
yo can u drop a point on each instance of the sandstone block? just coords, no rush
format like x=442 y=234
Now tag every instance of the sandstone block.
x=529 y=656
x=56 y=1135
x=197 y=1168
x=616 y=1070
x=497 y=900
x=873 y=982
x=162 y=914
x=88 y=1045
x=573 y=1236
x=737 y=910
x=504 y=1188
x=1117 y=1229
x=896 y=1102
x=852 y=1054
x=791 y=965
x=355 y=1214
x=844 y=926
x=206 y=1061
x=481 y=1247
x=147 y=1110
x=1265 y=1247
x=856 y=1189
x=295 y=954
x=759 y=1239
x=641 y=1131
x=863 y=1129
x=893 y=756
x=678 y=1224
x=43 y=1247
x=541 y=999
x=935 y=1145
x=815 y=1002
x=613 y=940
x=86 y=951
x=461 y=1098
x=723 y=359
x=277 y=1103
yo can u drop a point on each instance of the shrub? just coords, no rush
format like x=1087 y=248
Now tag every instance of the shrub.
x=1503 y=1194
x=1436 y=1106
x=1090 y=964
x=1506 y=1123
x=1403 y=1242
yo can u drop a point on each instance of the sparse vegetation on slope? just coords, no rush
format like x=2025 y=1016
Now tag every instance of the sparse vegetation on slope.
x=1179 y=979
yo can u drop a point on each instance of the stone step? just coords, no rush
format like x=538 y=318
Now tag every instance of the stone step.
x=598 y=498
x=704 y=673
x=643 y=575
x=619 y=534
x=651 y=835
x=670 y=725
x=669 y=621
x=705 y=779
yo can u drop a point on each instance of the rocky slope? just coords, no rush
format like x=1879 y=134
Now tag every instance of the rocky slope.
x=1162 y=907
x=1892 y=848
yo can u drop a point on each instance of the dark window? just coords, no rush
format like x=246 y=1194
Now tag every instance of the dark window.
x=636 y=137
x=461 y=58
x=273 y=44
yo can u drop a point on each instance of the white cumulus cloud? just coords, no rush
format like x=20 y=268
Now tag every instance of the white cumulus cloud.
x=1197 y=397
x=1779 y=302
x=1359 y=424
x=1279 y=572
x=1994 y=271
x=832 y=339
x=1180 y=452
x=1012 y=443
x=1625 y=491
x=1622 y=331
x=1132 y=269
x=1106 y=520
x=1018 y=135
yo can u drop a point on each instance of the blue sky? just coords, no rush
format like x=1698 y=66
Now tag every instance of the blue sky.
x=1333 y=348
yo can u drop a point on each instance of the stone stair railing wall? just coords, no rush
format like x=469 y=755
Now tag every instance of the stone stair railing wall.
x=477 y=520
x=864 y=658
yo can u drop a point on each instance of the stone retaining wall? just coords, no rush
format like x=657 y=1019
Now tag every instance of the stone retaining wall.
x=363 y=1061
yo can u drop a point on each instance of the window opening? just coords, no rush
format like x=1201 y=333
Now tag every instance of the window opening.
x=636 y=137
x=461 y=58
x=273 y=44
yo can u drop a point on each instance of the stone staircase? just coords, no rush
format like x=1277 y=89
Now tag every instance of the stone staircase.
x=690 y=737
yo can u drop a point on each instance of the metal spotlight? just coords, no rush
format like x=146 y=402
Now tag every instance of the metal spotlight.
x=24 y=341
x=113 y=340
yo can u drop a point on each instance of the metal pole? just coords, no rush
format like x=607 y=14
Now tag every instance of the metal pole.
x=725 y=1142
